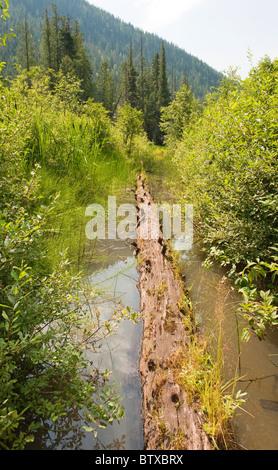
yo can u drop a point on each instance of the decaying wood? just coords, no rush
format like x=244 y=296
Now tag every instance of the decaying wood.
x=169 y=423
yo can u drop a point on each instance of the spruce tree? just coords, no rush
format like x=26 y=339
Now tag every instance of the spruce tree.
x=46 y=50
x=81 y=63
x=50 y=50
x=142 y=84
x=67 y=42
x=152 y=115
x=164 y=92
x=155 y=75
x=106 y=87
x=26 y=48
x=63 y=50
x=129 y=81
x=55 y=32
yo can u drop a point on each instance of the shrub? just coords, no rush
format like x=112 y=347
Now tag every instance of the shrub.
x=228 y=167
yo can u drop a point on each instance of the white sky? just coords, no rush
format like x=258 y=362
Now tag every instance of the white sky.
x=219 y=32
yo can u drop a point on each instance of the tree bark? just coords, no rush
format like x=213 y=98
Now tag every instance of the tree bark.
x=169 y=423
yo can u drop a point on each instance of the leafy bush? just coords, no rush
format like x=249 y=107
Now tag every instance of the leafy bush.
x=130 y=124
x=228 y=165
x=44 y=329
x=47 y=317
x=176 y=116
x=258 y=284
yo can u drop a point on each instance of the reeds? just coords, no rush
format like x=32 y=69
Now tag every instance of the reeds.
x=203 y=377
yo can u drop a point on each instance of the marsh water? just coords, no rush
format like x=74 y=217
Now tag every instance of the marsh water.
x=215 y=303
x=120 y=353
x=255 y=363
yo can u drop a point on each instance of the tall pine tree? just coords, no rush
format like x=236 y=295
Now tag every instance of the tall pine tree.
x=63 y=49
x=129 y=81
x=81 y=63
x=141 y=82
x=164 y=92
x=106 y=88
x=159 y=96
x=25 y=56
x=152 y=107
x=55 y=39
x=46 y=50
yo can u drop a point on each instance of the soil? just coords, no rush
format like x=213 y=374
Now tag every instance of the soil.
x=169 y=422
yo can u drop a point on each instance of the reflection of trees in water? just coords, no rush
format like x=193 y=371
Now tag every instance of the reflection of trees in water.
x=116 y=444
x=67 y=433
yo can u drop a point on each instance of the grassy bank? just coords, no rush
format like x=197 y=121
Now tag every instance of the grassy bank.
x=57 y=156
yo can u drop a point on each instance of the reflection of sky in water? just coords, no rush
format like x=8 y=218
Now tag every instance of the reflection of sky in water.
x=118 y=283
x=120 y=354
x=257 y=426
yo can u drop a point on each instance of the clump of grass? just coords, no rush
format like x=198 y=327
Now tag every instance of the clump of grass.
x=201 y=374
x=202 y=379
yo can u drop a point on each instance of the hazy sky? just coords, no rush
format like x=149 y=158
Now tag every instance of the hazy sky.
x=219 y=32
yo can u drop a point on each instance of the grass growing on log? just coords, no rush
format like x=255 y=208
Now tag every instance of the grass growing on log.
x=200 y=372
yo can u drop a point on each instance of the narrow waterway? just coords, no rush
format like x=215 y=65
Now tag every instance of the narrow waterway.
x=215 y=304
x=120 y=353
x=114 y=276
x=255 y=363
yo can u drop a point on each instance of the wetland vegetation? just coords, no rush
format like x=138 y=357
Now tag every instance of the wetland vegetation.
x=61 y=151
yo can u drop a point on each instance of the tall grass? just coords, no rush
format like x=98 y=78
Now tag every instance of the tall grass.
x=77 y=151
x=204 y=378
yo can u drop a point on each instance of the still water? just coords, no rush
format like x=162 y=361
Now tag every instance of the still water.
x=120 y=354
x=256 y=362
x=214 y=303
x=116 y=277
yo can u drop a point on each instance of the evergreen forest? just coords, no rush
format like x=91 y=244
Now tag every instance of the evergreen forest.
x=82 y=112
x=107 y=39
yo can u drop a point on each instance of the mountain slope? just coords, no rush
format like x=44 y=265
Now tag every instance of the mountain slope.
x=108 y=38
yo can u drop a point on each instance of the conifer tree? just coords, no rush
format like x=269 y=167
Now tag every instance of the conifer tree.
x=164 y=92
x=106 y=87
x=129 y=80
x=67 y=43
x=82 y=64
x=152 y=112
x=55 y=39
x=63 y=49
x=142 y=84
x=26 y=48
x=46 y=52
x=155 y=75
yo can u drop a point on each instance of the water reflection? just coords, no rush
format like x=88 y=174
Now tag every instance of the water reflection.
x=215 y=303
x=120 y=354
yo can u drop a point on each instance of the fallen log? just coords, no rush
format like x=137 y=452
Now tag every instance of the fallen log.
x=169 y=422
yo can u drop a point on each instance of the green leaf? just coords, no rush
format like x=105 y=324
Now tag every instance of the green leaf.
x=15 y=275
x=4 y=315
x=88 y=429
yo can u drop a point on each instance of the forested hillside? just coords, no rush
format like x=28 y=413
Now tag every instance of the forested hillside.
x=108 y=39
